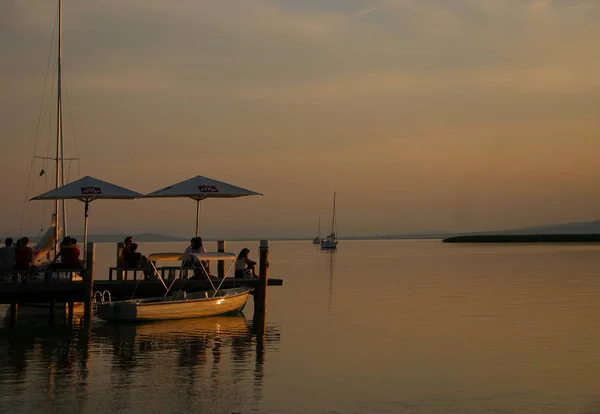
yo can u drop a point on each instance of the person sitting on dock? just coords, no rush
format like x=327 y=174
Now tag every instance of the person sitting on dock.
x=134 y=259
x=200 y=267
x=7 y=257
x=23 y=255
x=64 y=258
x=71 y=258
x=244 y=267
x=126 y=250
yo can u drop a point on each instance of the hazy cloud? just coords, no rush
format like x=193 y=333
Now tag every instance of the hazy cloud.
x=168 y=88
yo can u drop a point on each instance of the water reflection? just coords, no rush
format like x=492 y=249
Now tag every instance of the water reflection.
x=331 y=267
x=46 y=357
x=202 y=359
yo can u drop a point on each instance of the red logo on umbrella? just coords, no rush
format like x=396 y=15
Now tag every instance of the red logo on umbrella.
x=208 y=189
x=91 y=190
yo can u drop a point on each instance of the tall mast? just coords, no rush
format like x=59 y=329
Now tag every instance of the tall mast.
x=333 y=219
x=60 y=173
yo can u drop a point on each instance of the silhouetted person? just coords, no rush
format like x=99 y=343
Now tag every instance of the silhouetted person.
x=23 y=255
x=7 y=257
x=244 y=267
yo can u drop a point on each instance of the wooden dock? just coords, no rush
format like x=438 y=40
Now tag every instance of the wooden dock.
x=54 y=290
x=65 y=291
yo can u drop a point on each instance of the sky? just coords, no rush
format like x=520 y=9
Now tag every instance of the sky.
x=423 y=115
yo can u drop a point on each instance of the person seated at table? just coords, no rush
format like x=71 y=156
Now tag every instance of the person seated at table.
x=71 y=256
x=65 y=254
x=134 y=259
x=201 y=267
x=7 y=257
x=125 y=251
x=23 y=255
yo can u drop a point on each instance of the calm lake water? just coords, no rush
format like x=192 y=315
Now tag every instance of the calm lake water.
x=377 y=327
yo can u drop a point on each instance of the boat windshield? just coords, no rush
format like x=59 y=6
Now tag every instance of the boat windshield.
x=185 y=258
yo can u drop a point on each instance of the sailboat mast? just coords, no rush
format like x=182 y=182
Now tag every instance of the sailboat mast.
x=60 y=173
x=333 y=219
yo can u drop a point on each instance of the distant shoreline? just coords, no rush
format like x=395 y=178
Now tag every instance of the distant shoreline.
x=473 y=238
x=525 y=238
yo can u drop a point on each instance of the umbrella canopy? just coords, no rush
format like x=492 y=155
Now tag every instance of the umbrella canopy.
x=88 y=189
x=199 y=188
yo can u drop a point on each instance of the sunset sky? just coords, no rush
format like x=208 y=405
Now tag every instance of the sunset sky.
x=423 y=115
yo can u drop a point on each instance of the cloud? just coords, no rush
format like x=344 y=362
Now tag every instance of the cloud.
x=164 y=83
x=540 y=7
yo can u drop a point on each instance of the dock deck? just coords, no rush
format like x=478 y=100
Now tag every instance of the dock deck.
x=64 y=291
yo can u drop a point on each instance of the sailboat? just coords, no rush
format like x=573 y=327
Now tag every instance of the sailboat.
x=317 y=239
x=330 y=242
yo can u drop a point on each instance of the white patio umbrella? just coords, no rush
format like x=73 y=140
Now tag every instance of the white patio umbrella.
x=88 y=189
x=199 y=188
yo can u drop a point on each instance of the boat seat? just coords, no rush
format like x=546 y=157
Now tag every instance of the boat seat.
x=198 y=295
x=178 y=295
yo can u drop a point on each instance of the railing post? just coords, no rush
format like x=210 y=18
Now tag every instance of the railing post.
x=88 y=281
x=221 y=246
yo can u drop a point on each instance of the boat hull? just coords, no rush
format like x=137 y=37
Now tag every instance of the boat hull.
x=328 y=245
x=194 y=305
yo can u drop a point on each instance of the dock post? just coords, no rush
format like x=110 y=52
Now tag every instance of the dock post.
x=221 y=247
x=71 y=304
x=88 y=281
x=52 y=306
x=14 y=310
x=260 y=293
x=120 y=273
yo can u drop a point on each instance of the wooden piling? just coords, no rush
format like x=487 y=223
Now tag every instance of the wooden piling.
x=88 y=280
x=121 y=274
x=52 y=308
x=221 y=246
x=14 y=310
x=260 y=293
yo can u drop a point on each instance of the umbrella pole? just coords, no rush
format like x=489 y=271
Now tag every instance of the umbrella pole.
x=85 y=232
x=197 y=217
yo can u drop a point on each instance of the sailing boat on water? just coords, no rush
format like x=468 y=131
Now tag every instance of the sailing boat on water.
x=330 y=242
x=317 y=239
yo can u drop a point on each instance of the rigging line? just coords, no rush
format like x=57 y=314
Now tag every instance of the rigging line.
x=37 y=133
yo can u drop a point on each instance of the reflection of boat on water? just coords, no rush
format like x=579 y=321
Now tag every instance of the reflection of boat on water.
x=180 y=305
x=232 y=325
x=331 y=268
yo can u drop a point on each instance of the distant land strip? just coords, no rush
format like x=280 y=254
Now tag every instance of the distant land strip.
x=525 y=238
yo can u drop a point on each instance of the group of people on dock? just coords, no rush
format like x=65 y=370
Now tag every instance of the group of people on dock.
x=131 y=258
x=68 y=256
x=17 y=256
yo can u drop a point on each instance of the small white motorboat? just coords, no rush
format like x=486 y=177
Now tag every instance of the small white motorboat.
x=180 y=304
